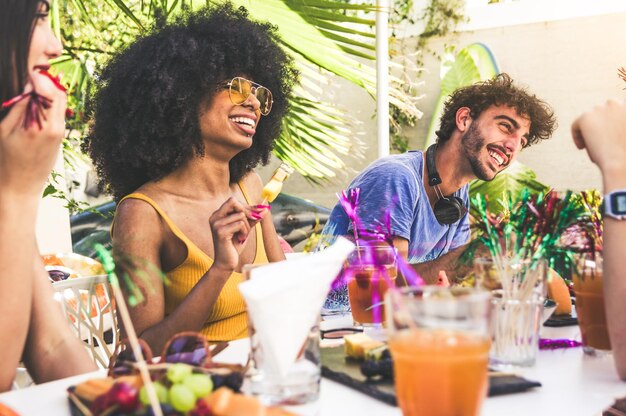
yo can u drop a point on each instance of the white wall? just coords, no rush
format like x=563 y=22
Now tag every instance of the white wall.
x=571 y=63
x=53 y=221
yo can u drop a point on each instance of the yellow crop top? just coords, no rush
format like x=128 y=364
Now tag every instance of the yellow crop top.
x=228 y=319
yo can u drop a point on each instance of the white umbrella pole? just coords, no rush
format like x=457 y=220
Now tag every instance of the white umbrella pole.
x=382 y=76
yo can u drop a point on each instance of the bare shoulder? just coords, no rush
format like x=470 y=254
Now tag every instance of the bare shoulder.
x=135 y=217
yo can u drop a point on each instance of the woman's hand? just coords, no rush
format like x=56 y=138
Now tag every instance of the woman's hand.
x=230 y=225
x=602 y=131
x=28 y=153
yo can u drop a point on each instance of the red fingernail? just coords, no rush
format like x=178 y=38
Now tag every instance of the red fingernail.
x=256 y=216
x=14 y=100
x=261 y=206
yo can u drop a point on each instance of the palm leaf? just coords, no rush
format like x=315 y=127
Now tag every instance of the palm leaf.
x=332 y=36
x=314 y=137
x=515 y=180
x=128 y=12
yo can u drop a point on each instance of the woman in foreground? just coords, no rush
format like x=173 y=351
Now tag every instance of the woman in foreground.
x=32 y=125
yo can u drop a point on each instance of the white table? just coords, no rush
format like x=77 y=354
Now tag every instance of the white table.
x=572 y=384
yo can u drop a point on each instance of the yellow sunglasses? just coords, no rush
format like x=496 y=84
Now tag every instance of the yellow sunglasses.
x=239 y=89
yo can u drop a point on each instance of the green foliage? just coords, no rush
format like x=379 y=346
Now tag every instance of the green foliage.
x=324 y=36
x=530 y=226
x=398 y=120
x=514 y=180
x=440 y=18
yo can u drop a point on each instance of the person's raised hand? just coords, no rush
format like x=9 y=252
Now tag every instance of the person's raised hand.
x=28 y=151
x=230 y=224
x=602 y=131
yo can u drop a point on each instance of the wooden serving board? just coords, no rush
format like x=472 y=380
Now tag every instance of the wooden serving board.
x=337 y=367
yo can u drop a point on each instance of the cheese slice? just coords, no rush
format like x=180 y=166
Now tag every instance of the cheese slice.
x=356 y=345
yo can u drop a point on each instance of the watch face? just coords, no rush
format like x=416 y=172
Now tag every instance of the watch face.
x=618 y=203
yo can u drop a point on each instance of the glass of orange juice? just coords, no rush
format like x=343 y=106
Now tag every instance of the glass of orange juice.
x=370 y=271
x=439 y=340
x=590 y=306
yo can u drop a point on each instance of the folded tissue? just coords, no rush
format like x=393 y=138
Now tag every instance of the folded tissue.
x=284 y=300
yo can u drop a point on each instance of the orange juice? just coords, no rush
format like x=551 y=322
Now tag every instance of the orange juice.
x=361 y=284
x=590 y=310
x=439 y=372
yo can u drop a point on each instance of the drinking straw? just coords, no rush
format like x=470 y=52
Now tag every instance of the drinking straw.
x=349 y=200
x=109 y=267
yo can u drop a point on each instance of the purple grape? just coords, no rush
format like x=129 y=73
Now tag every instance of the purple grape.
x=125 y=396
x=202 y=409
x=102 y=403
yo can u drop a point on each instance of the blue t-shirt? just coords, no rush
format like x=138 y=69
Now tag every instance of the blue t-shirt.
x=394 y=183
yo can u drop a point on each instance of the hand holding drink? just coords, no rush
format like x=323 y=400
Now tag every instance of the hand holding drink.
x=275 y=184
x=271 y=190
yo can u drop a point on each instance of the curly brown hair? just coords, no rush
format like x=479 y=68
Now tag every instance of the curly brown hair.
x=496 y=92
x=145 y=107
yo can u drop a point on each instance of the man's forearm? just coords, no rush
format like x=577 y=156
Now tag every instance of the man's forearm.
x=429 y=271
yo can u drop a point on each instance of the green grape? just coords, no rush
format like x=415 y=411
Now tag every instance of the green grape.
x=177 y=372
x=161 y=392
x=182 y=398
x=200 y=384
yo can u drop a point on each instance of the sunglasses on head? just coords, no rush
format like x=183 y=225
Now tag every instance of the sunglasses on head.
x=187 y=347
x=240 y=89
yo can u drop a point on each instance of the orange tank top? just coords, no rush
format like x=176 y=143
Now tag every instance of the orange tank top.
x=228 y=319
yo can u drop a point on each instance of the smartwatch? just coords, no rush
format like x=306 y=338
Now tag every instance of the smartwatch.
x=614 y=205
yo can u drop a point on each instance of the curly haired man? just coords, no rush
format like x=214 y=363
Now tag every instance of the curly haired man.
x=482 y=130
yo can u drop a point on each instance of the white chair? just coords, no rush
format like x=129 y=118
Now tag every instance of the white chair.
x=89 y=305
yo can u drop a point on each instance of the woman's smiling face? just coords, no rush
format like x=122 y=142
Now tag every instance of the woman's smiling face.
x=223 y=123
x=43 y=45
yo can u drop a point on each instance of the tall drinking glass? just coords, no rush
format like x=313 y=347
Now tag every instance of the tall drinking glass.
x=518 y=287
x=300 y=383
x=590 y=310
x=370 y=271
x=439 y=339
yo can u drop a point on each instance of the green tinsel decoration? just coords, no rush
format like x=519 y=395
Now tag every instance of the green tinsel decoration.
x=139 y=267
x=530 y=226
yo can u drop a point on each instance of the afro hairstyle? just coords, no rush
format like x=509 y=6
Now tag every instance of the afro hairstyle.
x=146 y=102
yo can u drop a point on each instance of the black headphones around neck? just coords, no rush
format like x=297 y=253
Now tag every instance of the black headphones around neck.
x=448 y=209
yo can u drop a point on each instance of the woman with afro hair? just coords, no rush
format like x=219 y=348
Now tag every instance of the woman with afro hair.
x=181 y=117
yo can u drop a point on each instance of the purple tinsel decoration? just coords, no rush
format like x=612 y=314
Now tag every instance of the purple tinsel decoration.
x=36 y=103
x=349 y=200
x=553 y=344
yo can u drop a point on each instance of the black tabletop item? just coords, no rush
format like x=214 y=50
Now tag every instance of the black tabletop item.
x=346 y=371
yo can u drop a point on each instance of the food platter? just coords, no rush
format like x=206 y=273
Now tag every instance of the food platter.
x=347 y=371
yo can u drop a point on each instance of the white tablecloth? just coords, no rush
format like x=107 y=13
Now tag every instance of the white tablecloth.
x=572 y=385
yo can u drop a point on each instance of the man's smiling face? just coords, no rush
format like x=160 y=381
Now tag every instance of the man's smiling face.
x=493 y=140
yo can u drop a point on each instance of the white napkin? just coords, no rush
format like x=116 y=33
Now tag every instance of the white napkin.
x=285 y=298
